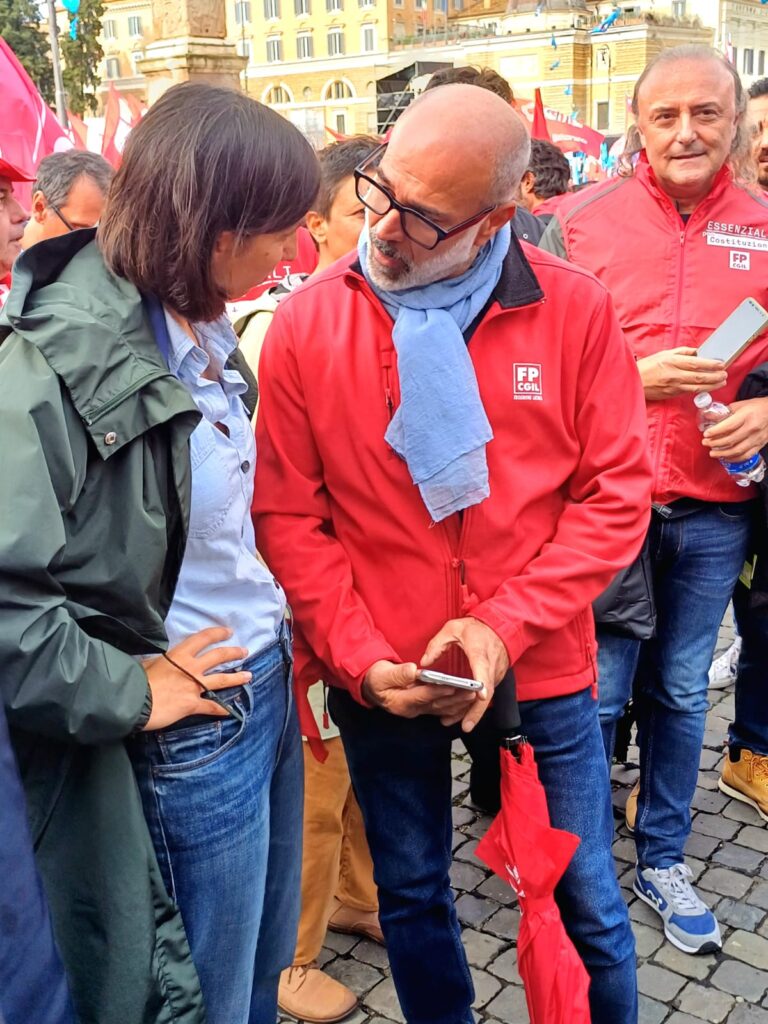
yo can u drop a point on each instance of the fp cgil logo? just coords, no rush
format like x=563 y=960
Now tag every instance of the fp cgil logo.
x=527 y=382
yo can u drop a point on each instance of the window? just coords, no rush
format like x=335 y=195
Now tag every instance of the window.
x=304 y=47
x=368 y=39
x=334 y=5
x=274 y=49
x=603 y=115
x=678 y=9
x=420 y=5
x=243 y=47
x=399 y=3
x=243 y=12
x=136 y=56
x=735 y=56
x=761 y=62
x=399 y=30
x=441 y=5
x=366 y=3
x=109 y=29
x=134 y=26
x=335 y=43
x=301 y=7
x=277 y=94
x=748 y=62
x=341 y=124
x=458 y=4
x=112 y=67
x=271 y=9
x=338 y=91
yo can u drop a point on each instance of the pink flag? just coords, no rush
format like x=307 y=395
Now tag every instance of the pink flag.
x=29 y=129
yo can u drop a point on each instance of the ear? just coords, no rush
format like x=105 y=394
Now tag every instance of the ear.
x=494 y=222
x=317 y=226
x=224 y=244
x=528 y=182
x=39 y=206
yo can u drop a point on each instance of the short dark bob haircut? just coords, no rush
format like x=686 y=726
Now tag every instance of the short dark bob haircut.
x=203 y=160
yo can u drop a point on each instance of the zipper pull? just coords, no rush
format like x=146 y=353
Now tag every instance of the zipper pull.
x=326 y=716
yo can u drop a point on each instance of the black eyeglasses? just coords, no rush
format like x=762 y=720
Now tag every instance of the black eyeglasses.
x=379 y=200
x=62 y=218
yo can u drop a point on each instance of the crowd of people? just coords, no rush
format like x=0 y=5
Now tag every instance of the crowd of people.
x=476 y=451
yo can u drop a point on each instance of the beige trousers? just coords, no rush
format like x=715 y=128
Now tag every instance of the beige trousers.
x=336 y=860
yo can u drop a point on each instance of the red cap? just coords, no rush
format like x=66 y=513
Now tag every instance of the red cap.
x=7 y=170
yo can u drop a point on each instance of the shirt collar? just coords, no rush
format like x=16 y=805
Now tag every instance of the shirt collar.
x=217 y=342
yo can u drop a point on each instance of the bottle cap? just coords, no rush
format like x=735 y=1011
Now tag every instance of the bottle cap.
x=703 y=400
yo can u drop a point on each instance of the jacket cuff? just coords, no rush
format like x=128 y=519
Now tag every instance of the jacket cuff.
x=146 y=712
x=510 y=633
x=356 y=666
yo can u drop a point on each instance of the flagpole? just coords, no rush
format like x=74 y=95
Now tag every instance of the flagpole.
x=53 y=33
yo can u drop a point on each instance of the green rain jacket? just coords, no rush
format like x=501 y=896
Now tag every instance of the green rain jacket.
x=94 y=506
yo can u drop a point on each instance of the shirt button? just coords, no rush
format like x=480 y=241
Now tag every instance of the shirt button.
x=245 y=466
x=110 y=437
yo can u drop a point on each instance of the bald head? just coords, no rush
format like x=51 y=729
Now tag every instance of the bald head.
x=467 y=134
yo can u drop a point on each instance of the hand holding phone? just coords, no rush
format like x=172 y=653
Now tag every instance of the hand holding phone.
x=441 y=679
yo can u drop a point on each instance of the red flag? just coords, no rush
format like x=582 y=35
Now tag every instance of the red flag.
x=569 y=135
x=539 y=129
x=28 y=128
x=109 y=149
x=78 y=131
x=136 y=108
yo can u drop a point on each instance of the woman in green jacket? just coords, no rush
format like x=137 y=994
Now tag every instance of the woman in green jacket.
x=127 y=476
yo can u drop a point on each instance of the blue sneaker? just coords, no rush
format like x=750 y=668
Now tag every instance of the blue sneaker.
x=688 y=923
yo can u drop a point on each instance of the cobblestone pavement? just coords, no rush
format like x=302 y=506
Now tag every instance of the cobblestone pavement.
x=728 y=853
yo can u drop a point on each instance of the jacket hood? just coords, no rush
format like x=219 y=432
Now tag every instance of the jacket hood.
x=92 y=329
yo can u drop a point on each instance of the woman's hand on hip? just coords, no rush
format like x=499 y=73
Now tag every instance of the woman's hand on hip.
x=174 y=694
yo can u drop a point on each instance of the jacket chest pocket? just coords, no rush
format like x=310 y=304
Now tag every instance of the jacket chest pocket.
x=213 y=489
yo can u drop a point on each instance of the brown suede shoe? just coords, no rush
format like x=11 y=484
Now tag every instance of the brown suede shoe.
x=356 y=922
x=306 y=993
x=630 y=811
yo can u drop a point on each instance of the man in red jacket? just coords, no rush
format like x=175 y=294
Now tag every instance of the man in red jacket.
x=452 y=465
x=680 y=243
x=13 y=218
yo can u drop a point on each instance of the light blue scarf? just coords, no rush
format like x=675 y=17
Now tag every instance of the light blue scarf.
x=440 y=428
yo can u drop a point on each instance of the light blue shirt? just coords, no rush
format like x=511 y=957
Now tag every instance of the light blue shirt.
x=222 y=580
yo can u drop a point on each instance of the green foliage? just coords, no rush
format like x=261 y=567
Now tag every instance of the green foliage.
x=82 y=57
x=23 y=28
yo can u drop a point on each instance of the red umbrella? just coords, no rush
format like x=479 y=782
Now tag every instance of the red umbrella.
x=522 y=848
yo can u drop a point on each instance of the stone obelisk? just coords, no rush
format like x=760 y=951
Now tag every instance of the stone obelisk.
x=190 y=46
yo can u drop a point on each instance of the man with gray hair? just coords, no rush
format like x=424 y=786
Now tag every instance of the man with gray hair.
x=69 y=192
x=680 y=241
x=452 y=465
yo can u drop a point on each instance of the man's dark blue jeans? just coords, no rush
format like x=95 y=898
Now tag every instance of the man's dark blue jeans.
x=696 y=561
x=401 y=771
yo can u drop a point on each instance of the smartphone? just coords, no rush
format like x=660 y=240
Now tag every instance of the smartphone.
x=441 y=679
x=737 y=331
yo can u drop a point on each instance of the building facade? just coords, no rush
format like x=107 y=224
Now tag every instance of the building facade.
x=352 y=65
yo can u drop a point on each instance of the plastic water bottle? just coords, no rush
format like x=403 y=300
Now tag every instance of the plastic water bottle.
x=708 y=413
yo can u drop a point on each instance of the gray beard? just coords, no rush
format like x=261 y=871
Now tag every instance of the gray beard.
x=435 y=268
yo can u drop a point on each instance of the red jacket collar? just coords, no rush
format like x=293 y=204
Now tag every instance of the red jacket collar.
x=518 y=285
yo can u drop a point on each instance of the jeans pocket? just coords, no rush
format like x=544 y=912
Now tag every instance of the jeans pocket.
x=735 y=511
x=197 y=746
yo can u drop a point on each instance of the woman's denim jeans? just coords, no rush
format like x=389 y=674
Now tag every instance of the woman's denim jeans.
x=224 y=804
x=401 y=771
x=696 y=561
